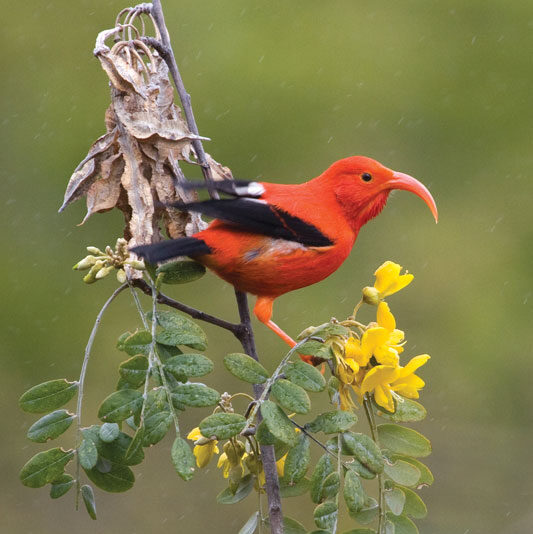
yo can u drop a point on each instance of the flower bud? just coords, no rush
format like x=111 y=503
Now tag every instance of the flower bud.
x=254 y=464
x=95 y=250
x=103 y=272
x=136 y=264
x=371 y=295
x=85 y=263
x=90 y=277
x=121 y=276
x=306 y=333
x=234 y=451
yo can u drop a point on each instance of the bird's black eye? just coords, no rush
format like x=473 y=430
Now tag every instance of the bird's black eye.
x=366 y=177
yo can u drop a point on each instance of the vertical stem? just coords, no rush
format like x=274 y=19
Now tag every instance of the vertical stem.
x=381 y=487
x=81 y=382
x=267 y=451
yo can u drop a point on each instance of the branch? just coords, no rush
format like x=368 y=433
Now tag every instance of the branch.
x=235 y=329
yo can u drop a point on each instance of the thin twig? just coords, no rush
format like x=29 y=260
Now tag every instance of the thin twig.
x=81 y=382
x=157 y=12
x=235 y=329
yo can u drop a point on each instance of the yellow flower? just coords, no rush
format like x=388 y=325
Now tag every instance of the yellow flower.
x=205 y=450
x=383 y=380
x=389 y=280
x=232 y=457
x=280 y=467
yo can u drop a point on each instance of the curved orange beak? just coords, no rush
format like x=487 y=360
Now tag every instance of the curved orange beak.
x=403 y=181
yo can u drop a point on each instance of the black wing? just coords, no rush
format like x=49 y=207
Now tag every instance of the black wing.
x=262 y=218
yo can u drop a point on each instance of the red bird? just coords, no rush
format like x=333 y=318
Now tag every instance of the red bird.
x=275 y=238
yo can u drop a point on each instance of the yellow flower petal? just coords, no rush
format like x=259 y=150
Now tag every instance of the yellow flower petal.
x=204 y=453
x=379 y=375
x=280 y=465
x=385 y=317
x=414 y=364
x=372 y=338
x=387 y=355
x=389 y=280
x=194 y=434
x=383 y=397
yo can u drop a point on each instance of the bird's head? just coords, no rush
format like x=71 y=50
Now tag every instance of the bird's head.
x=362 y=186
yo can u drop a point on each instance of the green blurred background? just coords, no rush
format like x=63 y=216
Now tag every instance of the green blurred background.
x=438 y=89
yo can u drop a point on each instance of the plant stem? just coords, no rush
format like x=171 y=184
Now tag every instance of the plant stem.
x=81 y=382
x=369 y=410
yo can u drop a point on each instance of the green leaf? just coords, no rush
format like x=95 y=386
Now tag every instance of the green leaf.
x=330 y=329
x=109 y=432
x=50 y=426
x=246 y=368
x=180 y=272
x=196 y=395
x=305 y=376
x=320 y=531
x=61 y=485
x=265 y=437
x=45 y=467
x=244 y=489
x=323 y=469
x=251 y=525
x=333 y=422
x=395 y=500
x=184 y=366
x=361 y=470
x=354 y=495
x=325 y=515
x=87 y=494
x=297 y=461
x=316 y=349
x=137 y=343
x=414 y=505
x=360 y=531
x=426 y=476
x=331 y=486
x=155 y=427
x=165 y=352
x=403 y=440
x=87 y=453
x=291 y=397
x=179 y=330
x=222 y=425
x=403 y=473
x=278 y=423
x=293 y=490
x=134 y=449
x=402 y=524
x=116 y=451
x=368 y=512
x=48 y=396
x=407 y=411
x=117 y=479
x=134 y=370
x=120 y=405
x=183 y=459
x=365 y=450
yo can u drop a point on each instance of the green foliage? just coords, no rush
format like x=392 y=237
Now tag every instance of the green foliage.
x=120 y=405
x=333 y=422
x=278 y=424
x=177 y=329
x=109 y=432
x=48 y=396
x=183 y=459
x=305 y=376
x=61 y=485
x=134 y=370
x=297 y=461
x=403 y=473
x=402 y=524
x=323 y=469
x=179 y=272
x=407 y=411
x=45 y=467
x=365 y=450
x=354 y=494
x=291 y=397
x=197 y=395
x=246 y=368
x=50 y=426
x=222 y=425
x=87 y=494
x=325 y=515
x=403 y=440
x=244 y=489
x=184 y=366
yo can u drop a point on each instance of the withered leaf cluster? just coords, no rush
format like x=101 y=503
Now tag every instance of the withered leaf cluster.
x=134 y=166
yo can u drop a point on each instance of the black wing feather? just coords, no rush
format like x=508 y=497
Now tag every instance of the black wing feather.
x=229 y=187
x=172 y=248
x=262 y=218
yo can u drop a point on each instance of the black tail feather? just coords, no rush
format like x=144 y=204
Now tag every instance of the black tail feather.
x=165 y=250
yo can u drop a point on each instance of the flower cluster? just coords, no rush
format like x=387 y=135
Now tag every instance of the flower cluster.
x=100 y=264
x=368 y=362
x=236 y=457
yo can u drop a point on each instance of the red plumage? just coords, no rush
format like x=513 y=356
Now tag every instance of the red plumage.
x=318 y=222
